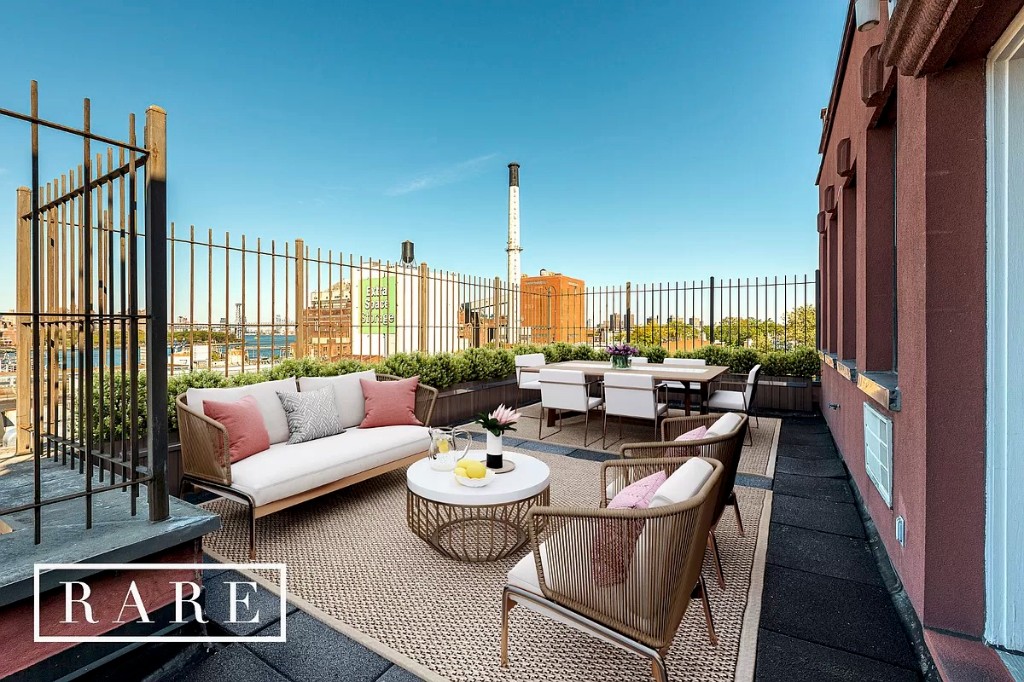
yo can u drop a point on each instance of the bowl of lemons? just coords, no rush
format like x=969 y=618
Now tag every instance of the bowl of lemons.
x=473 y=473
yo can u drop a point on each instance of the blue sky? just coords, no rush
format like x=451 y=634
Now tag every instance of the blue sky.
x=659 y=141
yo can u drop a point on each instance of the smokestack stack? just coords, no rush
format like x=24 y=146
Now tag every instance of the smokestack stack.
x=514 y=250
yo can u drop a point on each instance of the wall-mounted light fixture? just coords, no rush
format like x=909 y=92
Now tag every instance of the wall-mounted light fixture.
x=867 y=12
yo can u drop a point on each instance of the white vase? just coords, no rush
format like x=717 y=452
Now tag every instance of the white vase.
x=494 y=444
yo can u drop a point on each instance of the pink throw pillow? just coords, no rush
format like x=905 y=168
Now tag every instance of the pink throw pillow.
x=694 y=434
x=390 y=403
x=612 y=551
x=247 y=434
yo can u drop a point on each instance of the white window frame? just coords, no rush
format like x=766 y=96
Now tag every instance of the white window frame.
x=878 y=451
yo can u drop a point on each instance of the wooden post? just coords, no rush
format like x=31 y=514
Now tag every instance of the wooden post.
x=156 y=310
x=424 y=308
x=24 y=305
x=300 y=299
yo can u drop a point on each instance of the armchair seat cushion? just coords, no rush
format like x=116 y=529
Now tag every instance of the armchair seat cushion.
x=529 y=386
x=289 y=469
x=727 y=400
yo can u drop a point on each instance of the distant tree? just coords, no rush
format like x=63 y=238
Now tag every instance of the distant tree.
x=801 y=324
x=652 y=334
x=747 y=331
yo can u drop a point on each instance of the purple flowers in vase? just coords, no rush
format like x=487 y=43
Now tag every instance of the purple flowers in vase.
x=621 y=353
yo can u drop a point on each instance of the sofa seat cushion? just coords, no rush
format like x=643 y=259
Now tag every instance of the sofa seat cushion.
x=289 y=469
x=265 y=394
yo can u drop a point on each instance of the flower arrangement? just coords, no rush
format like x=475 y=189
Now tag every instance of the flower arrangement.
x=623 y=350
x=498 y=422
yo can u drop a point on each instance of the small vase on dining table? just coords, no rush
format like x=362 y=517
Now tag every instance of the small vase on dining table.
x=494 y=449
x=620 y=361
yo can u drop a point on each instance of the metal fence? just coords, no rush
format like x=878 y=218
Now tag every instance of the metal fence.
x=243 y=305
x=90 y=284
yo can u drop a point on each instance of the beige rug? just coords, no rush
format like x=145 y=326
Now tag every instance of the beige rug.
x=757 y=459
x=352 y=558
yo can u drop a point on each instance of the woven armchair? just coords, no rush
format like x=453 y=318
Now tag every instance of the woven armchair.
x=206 y=459
x=643 y=612
x=725 y=449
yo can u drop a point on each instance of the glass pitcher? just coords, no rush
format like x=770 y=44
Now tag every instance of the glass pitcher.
x=445 y=448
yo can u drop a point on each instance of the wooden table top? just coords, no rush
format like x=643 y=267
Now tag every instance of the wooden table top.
x=701 y=374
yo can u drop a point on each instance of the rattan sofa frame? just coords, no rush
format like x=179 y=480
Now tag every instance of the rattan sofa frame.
x=647 y=624
x=206 y=460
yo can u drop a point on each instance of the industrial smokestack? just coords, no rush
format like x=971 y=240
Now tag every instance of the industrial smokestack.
x=514 y=250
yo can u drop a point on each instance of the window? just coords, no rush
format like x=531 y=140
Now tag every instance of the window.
x=878 y=451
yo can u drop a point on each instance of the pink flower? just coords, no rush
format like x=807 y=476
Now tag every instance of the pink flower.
x=505 y=415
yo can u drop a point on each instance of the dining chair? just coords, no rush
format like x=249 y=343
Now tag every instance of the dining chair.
x=655 y=556
x=685 y=386
x=528 y=380
x=631 y=395
x=566 y=389
x=638 y=360
x=739 y=401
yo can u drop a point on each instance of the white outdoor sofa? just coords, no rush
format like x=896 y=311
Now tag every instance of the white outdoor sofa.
x=288 y=474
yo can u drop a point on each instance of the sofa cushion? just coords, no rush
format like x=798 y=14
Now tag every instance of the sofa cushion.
x=288 y=469
x=311 y=414
x=247 y=434
x=348 y=394
x=265 y=394
x=390 y=403
x=727 y=423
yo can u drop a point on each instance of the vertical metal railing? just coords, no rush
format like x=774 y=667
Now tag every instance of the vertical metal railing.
x=78 y=282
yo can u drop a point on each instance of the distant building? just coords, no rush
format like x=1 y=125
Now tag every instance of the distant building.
x=327 y=332
x=553 y=308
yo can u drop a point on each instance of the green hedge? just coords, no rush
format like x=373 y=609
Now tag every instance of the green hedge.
x=444 y=370
x=799 y=362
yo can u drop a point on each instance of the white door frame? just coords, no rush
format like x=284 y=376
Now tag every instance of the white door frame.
x=1004 y=515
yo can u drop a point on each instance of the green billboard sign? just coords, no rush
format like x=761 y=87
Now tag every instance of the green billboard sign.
x=378 y=305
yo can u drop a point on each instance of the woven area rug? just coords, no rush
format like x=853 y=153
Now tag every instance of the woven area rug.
x=757 y=459
x=352 y=558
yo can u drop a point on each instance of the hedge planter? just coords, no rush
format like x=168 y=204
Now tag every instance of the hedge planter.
x=787 y=394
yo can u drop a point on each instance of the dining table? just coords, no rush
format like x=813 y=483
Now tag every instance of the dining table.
x=703 y=375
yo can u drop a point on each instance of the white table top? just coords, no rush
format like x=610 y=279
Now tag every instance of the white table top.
x=530 y=477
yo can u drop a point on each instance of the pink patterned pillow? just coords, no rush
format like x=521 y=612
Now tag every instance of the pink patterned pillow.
x=613 y=548
x=695 y=434
x=390 y=403
x=247 y=433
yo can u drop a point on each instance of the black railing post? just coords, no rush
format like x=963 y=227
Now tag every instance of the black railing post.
x=711 y=311
x=629 y=311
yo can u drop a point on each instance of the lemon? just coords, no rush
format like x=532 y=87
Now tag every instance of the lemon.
x=474 y=468
x=459 y=471
x=443 y=447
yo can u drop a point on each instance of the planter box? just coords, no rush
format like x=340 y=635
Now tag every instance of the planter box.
x=787 y=394
x=462 y=402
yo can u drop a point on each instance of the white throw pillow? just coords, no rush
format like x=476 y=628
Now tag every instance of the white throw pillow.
x=348 y=394
x=725 y=424
x=684 y=483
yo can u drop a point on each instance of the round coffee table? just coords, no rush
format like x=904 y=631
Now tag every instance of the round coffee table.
x=475 y=524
